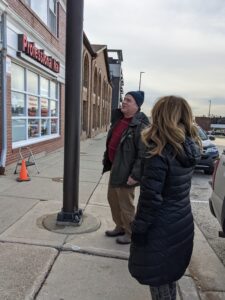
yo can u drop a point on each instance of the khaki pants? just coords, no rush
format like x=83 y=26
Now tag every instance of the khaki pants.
x=121 y=201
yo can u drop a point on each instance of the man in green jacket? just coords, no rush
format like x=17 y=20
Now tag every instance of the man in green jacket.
x=124 y=150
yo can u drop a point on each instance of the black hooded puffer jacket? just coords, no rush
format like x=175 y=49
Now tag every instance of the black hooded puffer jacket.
x=163 y=229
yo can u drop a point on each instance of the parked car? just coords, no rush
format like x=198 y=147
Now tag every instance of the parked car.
x=209 y=155
x=211 y=137
x=217 y=199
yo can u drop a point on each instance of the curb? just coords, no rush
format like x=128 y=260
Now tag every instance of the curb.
x=187 y=289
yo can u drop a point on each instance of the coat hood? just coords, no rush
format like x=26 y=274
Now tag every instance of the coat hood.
x=191 y=153
x=138 y=118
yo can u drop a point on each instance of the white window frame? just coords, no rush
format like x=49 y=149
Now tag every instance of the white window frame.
x=34 y=140
x=49 y=12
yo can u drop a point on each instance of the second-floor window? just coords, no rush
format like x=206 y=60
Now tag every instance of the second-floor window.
x=47 y=12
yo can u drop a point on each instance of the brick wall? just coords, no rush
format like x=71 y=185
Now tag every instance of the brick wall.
x=29 y=17
x=203 y=122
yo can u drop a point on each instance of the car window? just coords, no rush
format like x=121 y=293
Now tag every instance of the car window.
x=202 y=134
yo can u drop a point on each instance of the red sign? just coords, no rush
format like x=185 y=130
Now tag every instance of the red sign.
x=39 y=55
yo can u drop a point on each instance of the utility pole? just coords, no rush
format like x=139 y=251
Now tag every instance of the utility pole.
x=140 y=80
x=209 y=108
x=70 y=213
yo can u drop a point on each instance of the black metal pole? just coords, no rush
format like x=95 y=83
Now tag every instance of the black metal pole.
x=74 y=45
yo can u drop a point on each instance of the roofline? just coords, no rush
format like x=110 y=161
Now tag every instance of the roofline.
x=94 y=54
x=103 y=47
x=88 y=45
x=119 y=51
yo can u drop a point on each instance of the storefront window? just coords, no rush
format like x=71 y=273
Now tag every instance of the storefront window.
x=32 y=106
x=35 y=106
x=53 y=108
x=18 y=78
x=44 y=127
x=18 y=130
x=18 y=104
x=33 y=128
x=54 y=126
x=32 y=82
x=44 y=87
x=44 y=107
x=53 y=90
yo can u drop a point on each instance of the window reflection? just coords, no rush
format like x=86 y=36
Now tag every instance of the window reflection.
x=36 y=101
x=44 y=87
x=54 y=123
x=32 y=82
x=44 y=127
x=18 y=104
x=40 y=8
x=53 y=108
x=18 y=79
x=18 y=130
x=32 y=106
x=44 y=107
x=33 y=128
x=52 y=5
x=53 y=90
x=46 y=11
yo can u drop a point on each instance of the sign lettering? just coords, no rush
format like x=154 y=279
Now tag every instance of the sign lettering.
x=39 y=55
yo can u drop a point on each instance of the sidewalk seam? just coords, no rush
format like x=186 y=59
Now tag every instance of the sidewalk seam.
x=46 y=276
x=194 y=288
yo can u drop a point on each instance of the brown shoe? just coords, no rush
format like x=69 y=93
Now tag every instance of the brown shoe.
x=115 y=232
x=123 y=240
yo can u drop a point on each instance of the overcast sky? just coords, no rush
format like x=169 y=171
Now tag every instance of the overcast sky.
x=179 y=44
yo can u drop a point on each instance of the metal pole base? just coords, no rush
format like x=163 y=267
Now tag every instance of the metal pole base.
x=221 y=234
x=74 y=218
x=2 y=171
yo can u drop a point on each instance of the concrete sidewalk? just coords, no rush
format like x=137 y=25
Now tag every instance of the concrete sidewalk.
x=42 y=260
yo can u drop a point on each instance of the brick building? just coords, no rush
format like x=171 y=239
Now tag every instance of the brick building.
x=115 y=66
x=209 y=123
x=203 y=122
x=33 y=79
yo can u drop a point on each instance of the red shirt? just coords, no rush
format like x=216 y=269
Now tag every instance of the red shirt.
x=113 y=143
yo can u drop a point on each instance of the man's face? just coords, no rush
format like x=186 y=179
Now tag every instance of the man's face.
x=129 y=106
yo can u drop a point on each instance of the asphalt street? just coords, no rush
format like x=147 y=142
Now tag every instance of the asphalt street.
x=208 y=224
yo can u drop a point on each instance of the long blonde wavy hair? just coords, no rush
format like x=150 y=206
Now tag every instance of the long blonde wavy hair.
x=172 y=121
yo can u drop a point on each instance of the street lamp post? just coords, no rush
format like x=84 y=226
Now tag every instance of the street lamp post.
x=70 y=212
x=209 y=108
x=140 y=80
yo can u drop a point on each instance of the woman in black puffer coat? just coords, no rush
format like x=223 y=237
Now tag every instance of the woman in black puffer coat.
x=163 y=229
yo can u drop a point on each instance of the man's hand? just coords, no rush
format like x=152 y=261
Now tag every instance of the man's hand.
x=131 y=181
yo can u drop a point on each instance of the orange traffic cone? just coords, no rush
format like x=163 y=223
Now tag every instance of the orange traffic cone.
x=23 y=173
